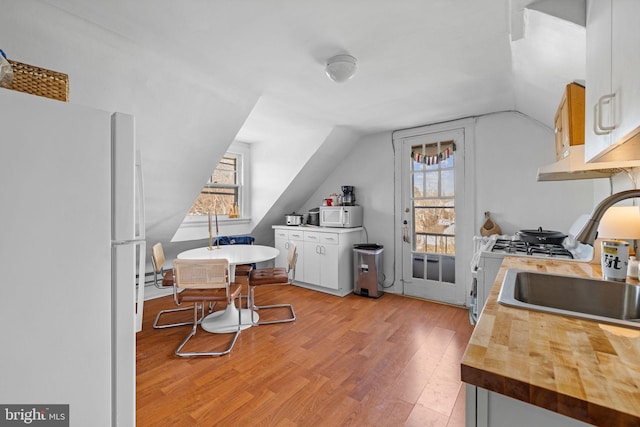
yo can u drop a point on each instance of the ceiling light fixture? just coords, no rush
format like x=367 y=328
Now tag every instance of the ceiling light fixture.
x=341 y=68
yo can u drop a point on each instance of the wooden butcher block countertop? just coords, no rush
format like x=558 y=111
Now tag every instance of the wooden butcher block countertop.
x=583 y=369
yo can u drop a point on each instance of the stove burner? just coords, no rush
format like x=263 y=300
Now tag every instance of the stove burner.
x=509 y=246
x=553 y=251
x=520 y=247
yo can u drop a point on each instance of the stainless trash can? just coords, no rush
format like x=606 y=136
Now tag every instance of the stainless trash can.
x=367 y=266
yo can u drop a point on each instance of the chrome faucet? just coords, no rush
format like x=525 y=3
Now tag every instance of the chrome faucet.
x=590 y=230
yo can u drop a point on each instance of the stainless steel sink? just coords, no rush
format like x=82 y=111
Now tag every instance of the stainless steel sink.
x=603 y=301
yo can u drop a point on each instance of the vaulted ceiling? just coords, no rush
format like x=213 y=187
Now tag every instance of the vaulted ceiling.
x=418 y=61
x=198 y=74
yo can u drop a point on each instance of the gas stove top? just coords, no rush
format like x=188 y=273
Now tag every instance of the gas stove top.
x=514 y=246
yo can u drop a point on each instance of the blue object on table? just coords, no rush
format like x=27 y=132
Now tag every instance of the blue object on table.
x=235 y=240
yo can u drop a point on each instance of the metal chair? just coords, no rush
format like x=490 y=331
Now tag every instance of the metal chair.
x=242 y=270
x=273 y=276
x=163 y=279
x=202 y=281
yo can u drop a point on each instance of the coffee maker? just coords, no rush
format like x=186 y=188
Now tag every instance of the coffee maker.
x=348 y=197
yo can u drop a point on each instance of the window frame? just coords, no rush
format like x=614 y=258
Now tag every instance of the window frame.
x=242 y=152
x=237 y=187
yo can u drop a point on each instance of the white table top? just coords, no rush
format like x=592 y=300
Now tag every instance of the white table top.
x=236 y=254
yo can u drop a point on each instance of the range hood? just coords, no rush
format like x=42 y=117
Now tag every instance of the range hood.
x=574 y=167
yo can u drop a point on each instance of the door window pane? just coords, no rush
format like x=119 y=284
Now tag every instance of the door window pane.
x=418 y=266
x=433 y=267
x=431 y=184
x=448 y=269
x=448 y=183
x=418 y=184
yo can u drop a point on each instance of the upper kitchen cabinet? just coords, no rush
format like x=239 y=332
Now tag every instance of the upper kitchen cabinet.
x=612 y=122
x=569 y=120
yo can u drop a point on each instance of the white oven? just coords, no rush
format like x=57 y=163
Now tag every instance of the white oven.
x=484 y=270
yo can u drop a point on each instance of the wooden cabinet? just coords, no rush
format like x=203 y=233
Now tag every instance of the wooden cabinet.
x=569 y=120
x=612 y=122
x=325 y=256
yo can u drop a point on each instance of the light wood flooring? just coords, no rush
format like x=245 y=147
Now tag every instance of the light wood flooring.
x=352 y=361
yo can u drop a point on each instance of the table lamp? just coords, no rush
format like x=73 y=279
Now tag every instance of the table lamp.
x=620 y=222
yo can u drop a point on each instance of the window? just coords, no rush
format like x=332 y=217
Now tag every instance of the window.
x=225 y=192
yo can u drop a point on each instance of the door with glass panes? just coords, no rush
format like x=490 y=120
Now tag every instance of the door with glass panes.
x=431 y=186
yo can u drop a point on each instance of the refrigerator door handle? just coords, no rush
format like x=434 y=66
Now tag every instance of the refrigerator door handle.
x=141 y=248
x=140 y=203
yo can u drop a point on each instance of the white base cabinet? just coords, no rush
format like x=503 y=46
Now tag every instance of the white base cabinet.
x=325 y=256
x=486 y=408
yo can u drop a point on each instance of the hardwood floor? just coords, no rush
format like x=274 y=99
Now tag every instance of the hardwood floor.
x=350 y=361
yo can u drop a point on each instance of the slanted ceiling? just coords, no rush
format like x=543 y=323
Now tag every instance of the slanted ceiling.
x=199 y=74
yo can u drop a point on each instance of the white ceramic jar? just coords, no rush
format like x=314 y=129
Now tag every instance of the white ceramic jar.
x=615 y=260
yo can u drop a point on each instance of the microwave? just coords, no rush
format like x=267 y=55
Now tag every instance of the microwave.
x=341 y=216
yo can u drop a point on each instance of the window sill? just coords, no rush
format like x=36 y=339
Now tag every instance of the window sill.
x=199 y=221
x=198 y=228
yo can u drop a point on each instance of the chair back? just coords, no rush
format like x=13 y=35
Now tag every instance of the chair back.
x=201 y=274
x=157 y=257
x=292 y=258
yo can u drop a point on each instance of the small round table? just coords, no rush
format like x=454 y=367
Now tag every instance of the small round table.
x=226 y=321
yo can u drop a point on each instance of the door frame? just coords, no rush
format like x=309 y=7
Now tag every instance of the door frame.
x=465 y=213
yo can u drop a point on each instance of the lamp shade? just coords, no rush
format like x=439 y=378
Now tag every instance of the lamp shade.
x=620 y=222
x=341 y=68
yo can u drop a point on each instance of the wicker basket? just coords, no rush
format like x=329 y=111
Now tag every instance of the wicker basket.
x=39 y=81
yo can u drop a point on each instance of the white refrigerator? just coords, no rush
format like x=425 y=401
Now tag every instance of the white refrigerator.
x=72 y=242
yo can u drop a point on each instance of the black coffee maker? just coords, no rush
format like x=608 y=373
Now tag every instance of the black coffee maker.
x=348 y=196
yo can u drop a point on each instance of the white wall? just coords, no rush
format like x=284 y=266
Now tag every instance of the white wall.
x=509 y=149
x=369 y=168
x=619 y=182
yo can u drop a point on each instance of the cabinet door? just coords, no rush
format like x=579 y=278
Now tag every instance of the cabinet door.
x=312 y=257
x=329 y=253
x=598 y=73
x=625 y=66
x=281 y=243
x=311 y=263
x=562 y=133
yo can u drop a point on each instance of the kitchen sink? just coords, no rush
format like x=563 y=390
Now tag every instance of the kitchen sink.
x=602 y=301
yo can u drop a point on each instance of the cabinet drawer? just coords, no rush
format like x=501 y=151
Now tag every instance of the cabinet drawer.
x=330 y=239
x=282 y=234
x=295 y=235
x=311 y=236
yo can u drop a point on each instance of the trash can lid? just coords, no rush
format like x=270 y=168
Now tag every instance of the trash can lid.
x=368 y=246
